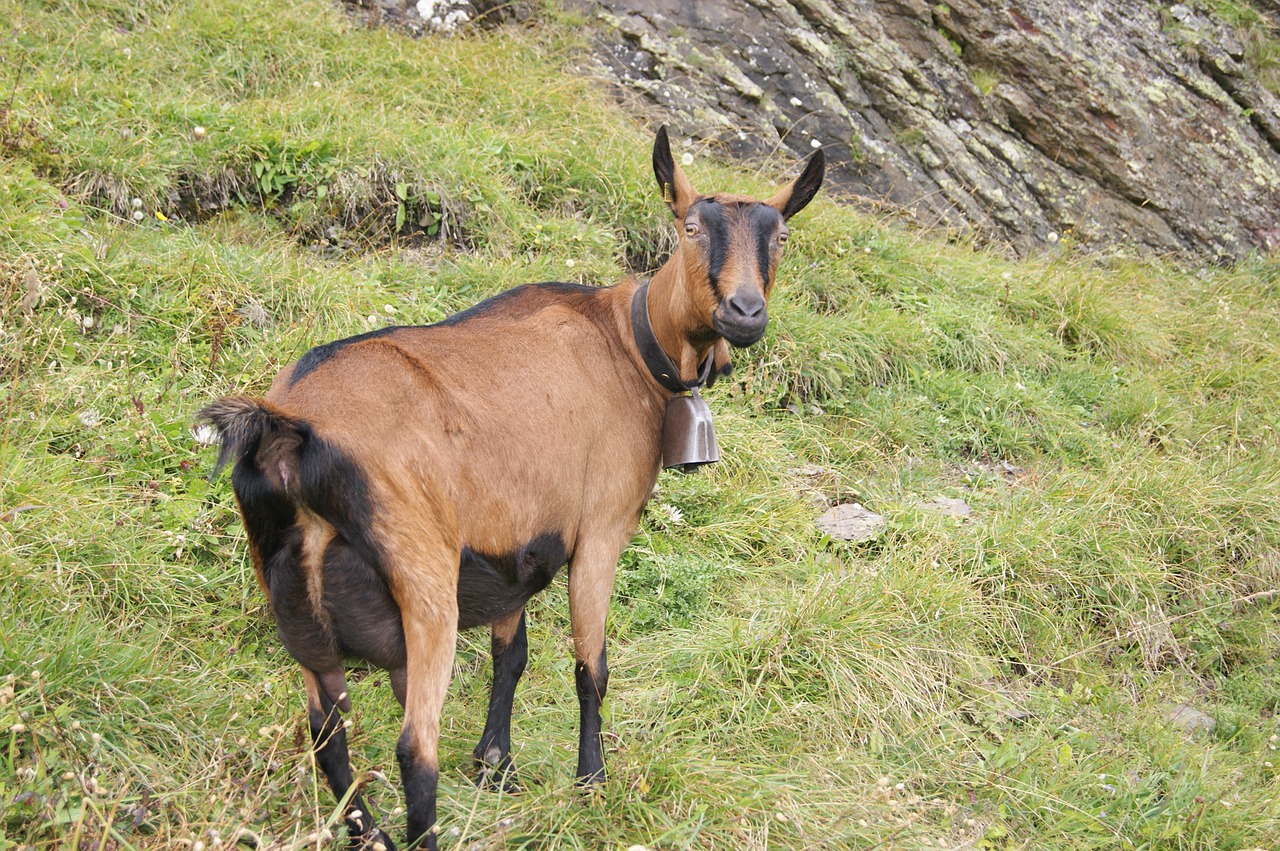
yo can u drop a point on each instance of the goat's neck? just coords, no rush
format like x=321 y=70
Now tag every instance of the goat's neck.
x=674 y=320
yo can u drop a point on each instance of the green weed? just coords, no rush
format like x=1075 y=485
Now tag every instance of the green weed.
x=959 y=681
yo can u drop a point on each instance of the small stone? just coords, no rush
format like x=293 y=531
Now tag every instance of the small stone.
x=1189 y=719
x=947 y=507
x=851 y=522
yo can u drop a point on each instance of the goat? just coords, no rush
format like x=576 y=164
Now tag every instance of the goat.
x=403 y=484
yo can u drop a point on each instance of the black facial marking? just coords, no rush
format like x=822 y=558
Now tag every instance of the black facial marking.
x=714 y=221
x=491 y=587
x=764 y=222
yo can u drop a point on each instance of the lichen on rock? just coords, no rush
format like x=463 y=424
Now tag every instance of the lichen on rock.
x=1136 y=126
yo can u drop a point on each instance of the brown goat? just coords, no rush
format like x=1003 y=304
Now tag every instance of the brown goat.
x=400 y=485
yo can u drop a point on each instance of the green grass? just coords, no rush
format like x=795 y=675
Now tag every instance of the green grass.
x=1003 y=680
x=1259 y=33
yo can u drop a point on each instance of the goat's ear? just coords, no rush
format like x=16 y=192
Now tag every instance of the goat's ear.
x=793 y=197
x=675 y=187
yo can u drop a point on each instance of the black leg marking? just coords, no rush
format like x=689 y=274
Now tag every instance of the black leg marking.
x=329 y=741
x=493 y=754
x=591 y=691
x=421 y=781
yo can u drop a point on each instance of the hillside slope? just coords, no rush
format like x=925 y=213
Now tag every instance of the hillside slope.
x=193 y=194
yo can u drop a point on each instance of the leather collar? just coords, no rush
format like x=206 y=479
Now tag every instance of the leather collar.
x=661 y=367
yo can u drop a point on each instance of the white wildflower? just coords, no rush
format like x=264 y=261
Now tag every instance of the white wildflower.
x=205 y=434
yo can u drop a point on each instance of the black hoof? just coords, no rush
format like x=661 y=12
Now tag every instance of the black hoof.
x=498 y=778
x=591 y=782
x=372 y=841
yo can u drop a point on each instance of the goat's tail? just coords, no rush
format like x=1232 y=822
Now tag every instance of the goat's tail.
x=251 y=428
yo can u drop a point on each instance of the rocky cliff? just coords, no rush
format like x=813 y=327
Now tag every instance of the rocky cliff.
x=1113 y=123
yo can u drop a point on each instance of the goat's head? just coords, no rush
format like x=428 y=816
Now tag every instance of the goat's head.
x=729 y=247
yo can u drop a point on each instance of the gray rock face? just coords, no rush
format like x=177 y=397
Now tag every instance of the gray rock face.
x=1115 y=123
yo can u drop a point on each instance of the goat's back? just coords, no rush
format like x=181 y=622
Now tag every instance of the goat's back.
x=526 y=413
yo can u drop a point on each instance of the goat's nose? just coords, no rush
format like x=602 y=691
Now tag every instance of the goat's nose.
x=746 y=304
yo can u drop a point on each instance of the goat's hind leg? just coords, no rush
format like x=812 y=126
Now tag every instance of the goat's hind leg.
x=510 y=649
x=326 y=693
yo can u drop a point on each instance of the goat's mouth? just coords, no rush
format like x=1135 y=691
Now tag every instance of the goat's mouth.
x=740 y=331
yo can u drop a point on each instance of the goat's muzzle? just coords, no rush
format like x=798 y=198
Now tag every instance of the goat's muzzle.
x=741 y=319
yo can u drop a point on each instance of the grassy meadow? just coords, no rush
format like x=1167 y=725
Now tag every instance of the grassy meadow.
x=193 y=194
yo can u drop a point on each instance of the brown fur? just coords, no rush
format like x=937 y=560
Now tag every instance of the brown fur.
x=392 y=456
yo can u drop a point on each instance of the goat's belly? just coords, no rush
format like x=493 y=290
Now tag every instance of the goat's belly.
x=491 y=587
x=364 y=618
x=359 y=619
x=345 y=612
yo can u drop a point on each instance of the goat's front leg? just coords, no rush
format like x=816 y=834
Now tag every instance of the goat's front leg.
x=510 y=649
x=590 y=585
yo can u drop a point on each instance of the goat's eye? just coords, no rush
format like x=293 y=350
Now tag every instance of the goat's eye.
x=691 y=229
x=782 y=237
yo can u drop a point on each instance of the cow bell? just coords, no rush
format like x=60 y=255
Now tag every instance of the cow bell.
x=688 y=436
